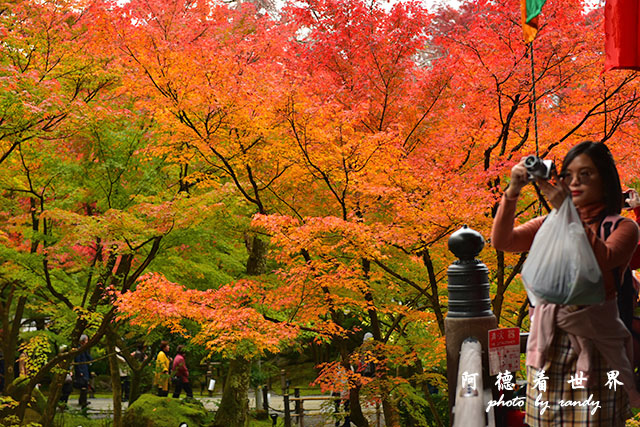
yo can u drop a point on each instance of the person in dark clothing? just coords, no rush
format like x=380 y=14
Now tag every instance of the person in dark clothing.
x=67 y=385
x=140 y=354
x=182 y=374
x=81 y=372
x=67 y=388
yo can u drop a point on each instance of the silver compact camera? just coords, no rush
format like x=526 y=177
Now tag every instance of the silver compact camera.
x=538 y=168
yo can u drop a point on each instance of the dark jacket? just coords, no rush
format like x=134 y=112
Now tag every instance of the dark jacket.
x=81 y=369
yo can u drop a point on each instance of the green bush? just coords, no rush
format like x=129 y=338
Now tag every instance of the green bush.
x=415 y=411
x=154 y=411
x=8 y=403
x=259 y=414
x=66 y=419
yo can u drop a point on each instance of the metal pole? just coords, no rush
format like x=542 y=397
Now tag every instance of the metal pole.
x=285 y=398
x=298 y=405
x=209 y=378
x=301 y=417
x=265 y=399
x=258 y=391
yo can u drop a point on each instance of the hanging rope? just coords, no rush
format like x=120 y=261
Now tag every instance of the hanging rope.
x=533 y=100
x=604 y=84
x=543 y=203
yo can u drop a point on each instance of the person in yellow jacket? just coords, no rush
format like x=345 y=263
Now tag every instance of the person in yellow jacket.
x=162 y=369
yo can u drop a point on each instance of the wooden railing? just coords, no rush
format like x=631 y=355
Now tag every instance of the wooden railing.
x=299 y=412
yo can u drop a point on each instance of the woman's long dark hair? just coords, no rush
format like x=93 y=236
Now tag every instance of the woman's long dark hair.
x=603 y=160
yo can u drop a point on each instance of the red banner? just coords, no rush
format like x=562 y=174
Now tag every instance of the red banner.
x=622 y=35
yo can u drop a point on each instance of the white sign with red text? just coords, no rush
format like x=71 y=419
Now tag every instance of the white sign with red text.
x=504 y=350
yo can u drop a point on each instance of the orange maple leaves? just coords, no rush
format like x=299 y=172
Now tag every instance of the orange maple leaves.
x=229 y=321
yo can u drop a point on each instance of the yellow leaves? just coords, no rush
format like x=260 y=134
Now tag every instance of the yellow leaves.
x=203 y=76
x=514 y=297
x=125 y=231
x=633 y=422
x=35 y=353
x=8 y=402
x=92 y=318
x=4 y=238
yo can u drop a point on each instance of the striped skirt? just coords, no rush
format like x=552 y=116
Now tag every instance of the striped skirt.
x=564 y=403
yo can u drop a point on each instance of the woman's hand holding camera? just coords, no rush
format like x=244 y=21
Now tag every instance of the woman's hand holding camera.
x=519 y=178
x=555 y=193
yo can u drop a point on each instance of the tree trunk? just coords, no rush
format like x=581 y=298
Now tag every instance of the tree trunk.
x=136 y=378
x=116 y=387
x=54 y=395
x=234 y=406
x=10 y=330
x=256 y=264
x=137 y=370
x=391 y=417
x=355 y=410
x=9 y=351
x=427 y=395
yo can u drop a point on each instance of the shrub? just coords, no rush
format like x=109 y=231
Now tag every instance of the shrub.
x=9 y=403
x=154 y=411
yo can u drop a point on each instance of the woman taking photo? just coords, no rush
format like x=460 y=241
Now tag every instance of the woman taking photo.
x=568 y=342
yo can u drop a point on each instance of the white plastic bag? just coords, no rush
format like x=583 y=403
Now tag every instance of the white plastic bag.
x=561 y=267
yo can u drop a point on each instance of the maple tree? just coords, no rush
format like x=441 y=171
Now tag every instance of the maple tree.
x=446 y=172
x=301 y=160
x=356 y=136
x=46 y=82
x=388 y=179
x=48 y=73
x=360 y=104
x=221 y=132
x=85 y=207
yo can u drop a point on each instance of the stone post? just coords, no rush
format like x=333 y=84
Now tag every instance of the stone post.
x=469 y=313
